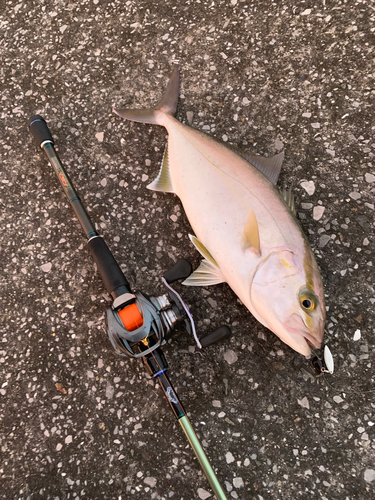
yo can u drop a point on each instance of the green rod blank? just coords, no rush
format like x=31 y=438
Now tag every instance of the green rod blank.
x=201 y=456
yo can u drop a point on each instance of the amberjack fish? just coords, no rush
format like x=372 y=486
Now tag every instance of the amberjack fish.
x=245 y=229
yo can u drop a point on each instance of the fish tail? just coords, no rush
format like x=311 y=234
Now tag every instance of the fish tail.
x=167 y=105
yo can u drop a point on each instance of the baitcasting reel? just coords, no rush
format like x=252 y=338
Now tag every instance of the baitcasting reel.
x=134 y=319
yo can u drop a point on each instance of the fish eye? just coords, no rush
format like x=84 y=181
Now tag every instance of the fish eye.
x=307 y=302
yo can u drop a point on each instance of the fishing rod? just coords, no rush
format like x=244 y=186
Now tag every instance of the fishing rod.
x=137 y=324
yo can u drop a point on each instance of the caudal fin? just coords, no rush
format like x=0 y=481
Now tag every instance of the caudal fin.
x=168 y=104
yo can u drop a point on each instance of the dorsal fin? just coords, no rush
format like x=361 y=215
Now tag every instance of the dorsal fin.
x=250 y=237
x=163 y=181
x=168 y=102
x=270 y=167
x=289 y=199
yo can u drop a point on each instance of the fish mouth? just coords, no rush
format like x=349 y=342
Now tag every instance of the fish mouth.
x=311 y=340
x=295 y=325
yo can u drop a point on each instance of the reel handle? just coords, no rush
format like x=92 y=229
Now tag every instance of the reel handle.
x=181 y=270
x=221 y=333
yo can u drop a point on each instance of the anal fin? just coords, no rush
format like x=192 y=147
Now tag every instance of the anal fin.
x=163 y=181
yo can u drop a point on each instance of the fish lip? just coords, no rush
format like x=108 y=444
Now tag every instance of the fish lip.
x=309 y=339
x=302 y=331
x=312 y=341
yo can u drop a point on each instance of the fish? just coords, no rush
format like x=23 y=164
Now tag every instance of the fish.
x=245 y=229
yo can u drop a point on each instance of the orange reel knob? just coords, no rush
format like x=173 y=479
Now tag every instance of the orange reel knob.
x=131 y=317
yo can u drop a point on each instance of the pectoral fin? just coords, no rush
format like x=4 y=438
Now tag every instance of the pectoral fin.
x=163 y=181
x=250 y=237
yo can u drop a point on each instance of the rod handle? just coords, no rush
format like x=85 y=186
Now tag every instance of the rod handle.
x=40 y=131
x=110 y=272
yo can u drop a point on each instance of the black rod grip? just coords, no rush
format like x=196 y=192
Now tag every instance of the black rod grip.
x=108 y=268
x=40 y=131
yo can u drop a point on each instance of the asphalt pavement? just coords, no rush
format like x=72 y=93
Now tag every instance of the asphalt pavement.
x=78 y=421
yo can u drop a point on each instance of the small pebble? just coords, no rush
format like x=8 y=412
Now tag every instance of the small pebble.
x=369 y=475
x=189 y=116
x=238 y=482
x=230 y=357
x=229 y=457
x=203 y=494
x=46 y=267
x=318 y=212
x=279 y=145
x=323 y=240
x=357 y=335
x=304 y=403
x=151 y=481
x=109 y=391
x=100 y=136
x=354 y=195
x=309 y=187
